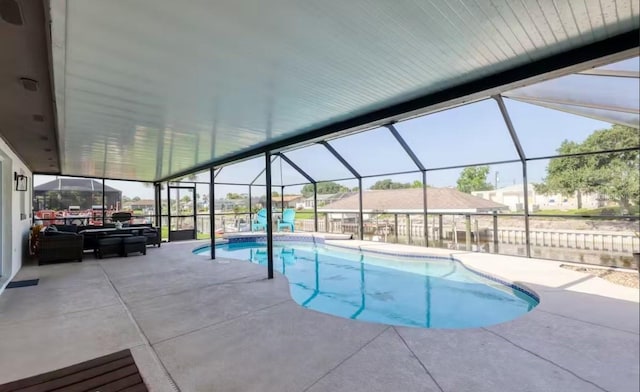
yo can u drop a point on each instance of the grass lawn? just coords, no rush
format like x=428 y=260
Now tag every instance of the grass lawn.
x=203 y=236
x=308 y=214
x=603 y=211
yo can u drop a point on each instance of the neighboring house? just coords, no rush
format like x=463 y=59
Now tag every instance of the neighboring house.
x=83 y=193
x=290 y=201
x=411 y=201
x=222 y=205
x=140 y=205
x=324 y=199
x=513 y=196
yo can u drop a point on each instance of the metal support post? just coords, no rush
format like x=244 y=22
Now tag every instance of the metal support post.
x=523 y=159
x=212 y=212
x=158 y=217
x=281 y=199
x=168 y=213
x=361 y=216
x=269 y=216
x=467 y=234
x=495 y=232
x=104 y=212
x=250 y=213
x=315 y=207
x=424 y=206
x=395 y=226
x=477 y=234
x=526 y=208
x=440 y=232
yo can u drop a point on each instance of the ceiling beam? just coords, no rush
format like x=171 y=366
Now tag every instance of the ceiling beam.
x=611 y=72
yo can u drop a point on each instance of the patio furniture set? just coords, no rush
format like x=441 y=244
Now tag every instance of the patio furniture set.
x=57 y=243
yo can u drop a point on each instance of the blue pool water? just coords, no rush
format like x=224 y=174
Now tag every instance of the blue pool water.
x=421 y=292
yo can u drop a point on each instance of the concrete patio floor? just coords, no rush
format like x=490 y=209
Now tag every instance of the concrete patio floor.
x=194 y=324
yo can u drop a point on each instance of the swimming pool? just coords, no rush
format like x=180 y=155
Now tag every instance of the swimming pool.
x=417 y=292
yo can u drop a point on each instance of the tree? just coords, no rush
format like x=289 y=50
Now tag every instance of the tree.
x=389 y=184
x=474 y=179
x=233 y=196
x=614 y=175
x=136 y=198
x=416 y=184
x=324 y=188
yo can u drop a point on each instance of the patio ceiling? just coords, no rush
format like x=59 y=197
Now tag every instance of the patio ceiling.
x=147 y=89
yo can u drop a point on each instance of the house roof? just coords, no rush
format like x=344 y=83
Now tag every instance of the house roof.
x=330 y=196
x=74 y=184
x=288 y=198
x=438 y=199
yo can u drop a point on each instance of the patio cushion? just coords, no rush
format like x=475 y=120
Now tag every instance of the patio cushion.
x=66 y=228
x=58 y=233
x=134 y=239
x=109 y=240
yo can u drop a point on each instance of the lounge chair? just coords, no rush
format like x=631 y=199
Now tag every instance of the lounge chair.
x=260 y=221
x=288 y=219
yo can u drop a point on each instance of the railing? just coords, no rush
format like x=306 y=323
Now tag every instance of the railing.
x=227 y=221
x=601 y=240
x=80 y=220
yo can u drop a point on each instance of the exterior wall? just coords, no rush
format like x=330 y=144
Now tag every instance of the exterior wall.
x=513 y=196
x=14 y=230
x=559 y=202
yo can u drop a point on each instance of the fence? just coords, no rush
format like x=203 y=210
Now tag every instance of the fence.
x=498 y=233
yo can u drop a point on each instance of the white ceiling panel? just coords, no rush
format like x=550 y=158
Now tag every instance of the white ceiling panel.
x=149 y=88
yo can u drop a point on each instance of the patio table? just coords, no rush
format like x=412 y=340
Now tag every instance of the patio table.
x=93 y=234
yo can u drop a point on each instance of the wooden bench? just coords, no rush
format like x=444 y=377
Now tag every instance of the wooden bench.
x=113 y=372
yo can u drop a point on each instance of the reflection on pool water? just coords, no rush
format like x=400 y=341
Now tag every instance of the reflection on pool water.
x=417 y=292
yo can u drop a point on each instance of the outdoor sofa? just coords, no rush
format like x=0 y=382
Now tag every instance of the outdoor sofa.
x=58 y=246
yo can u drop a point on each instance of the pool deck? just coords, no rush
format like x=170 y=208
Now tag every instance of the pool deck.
x=198 y=325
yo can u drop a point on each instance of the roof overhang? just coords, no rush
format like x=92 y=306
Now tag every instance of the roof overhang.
x=27 y=115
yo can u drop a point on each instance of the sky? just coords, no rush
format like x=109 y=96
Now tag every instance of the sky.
x=471 y=134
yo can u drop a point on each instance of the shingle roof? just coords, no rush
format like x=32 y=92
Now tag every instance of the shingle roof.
x=287 y=198
x=330 y=196
x=74 y=184
x=438 y=199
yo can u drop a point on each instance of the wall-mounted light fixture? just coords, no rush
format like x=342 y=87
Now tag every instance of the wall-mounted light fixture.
x=21 y=181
